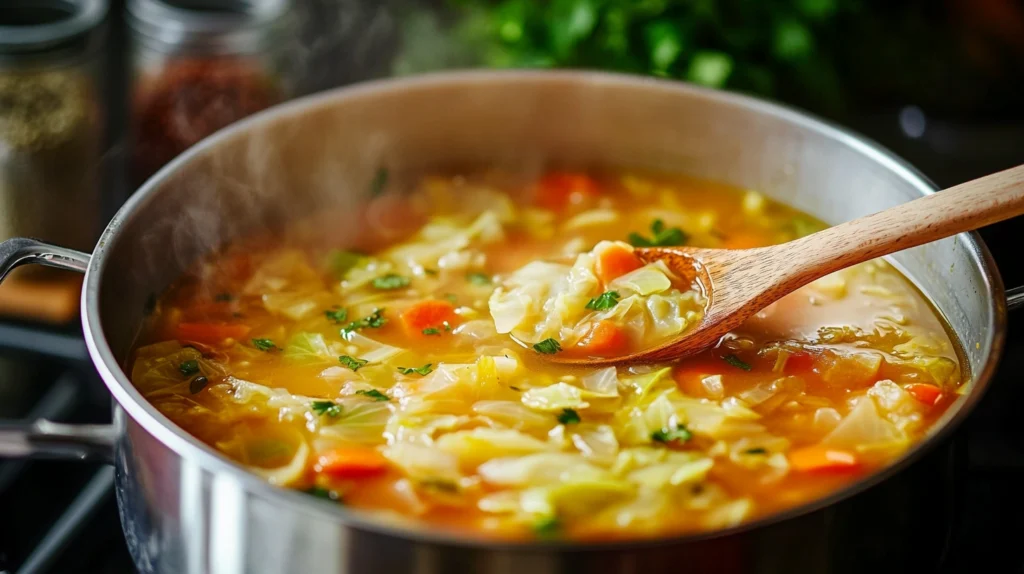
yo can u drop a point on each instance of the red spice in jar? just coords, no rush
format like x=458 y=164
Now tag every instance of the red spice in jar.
x=190 y=99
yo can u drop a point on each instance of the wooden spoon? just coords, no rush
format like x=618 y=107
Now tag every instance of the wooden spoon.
x=739 y=283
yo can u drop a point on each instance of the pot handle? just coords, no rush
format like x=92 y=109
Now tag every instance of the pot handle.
x=1015 y=298
x=43 y=438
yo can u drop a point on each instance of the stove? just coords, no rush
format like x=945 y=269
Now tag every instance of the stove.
x=61 y=517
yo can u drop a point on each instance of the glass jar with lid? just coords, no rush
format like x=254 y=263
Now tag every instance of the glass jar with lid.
x=199 y=66
x=50 y=120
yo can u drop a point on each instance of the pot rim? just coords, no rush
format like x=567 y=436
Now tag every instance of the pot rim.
x=186 y=446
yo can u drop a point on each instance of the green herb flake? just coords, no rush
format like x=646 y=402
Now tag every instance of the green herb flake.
x=547 y=347
x=661 y=236
x=326 y=408
x=336 y=315
x=380 y=181
x=264 y=344
x=189 y=368
x=374 y=394
x=756 y=451
x=321 y=492
x=678 y=434
x=424 y=370
x=737 y=362
x=390 y=282
x=451 y=298
x=546 y=527
x=430 y=271
x=569 y=417
x=479 y=279
x=352 y=362
x=375 y=320
x=197 y=384
x=604 y=301
x=223 y=297
x=431 y=331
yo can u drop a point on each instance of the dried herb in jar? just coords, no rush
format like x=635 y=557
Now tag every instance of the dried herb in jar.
x=189 y=99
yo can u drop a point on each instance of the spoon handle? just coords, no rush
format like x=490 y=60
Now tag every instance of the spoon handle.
x=957 y=209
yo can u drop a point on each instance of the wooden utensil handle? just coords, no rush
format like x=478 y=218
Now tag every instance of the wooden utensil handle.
x=964 y=207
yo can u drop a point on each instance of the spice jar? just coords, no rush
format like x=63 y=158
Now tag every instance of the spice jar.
x=50 y=135
x=198 y=68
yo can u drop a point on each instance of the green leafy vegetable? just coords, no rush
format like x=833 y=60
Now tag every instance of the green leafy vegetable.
x=480 y=279
x=424 y=370
x=661 y=236
x=326 y=408
x=569 y=417
x=546 y=527
x=390 y=282
x=604 y=301
x=321 y=492
x=678 y=434
x=352 y=362
x=431 y=331
x=264 y=344
x=375 y=320
x=189 y=368
x=373 y=394
x=547 y=347
x=197 y=384
x=336 y=315
x=737 y=362
x=380 y=181
x=756 y=451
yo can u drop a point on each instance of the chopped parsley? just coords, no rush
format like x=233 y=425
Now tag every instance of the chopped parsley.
x=661 y=237
x=678 y=434
x=380 y=181
x=431 y=331
x=375 y=320
x=451 y=298
x=547 y=347
x=569 y=417
x=481 y=279
x=546 y=527
x=341 y=262
x=390 y=282
x=336 y=315
x=430 y=271
x=604 y=301
x=374 y=394
x=756 y=451
x=222 y=297
x=264 y=344
x=737 y=362
x=352 y=362
x=197 y=384
x=424 y=370
x=326 y=408
x=321 y=492
x=189 y=368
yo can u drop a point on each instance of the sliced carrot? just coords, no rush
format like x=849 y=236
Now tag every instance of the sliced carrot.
x=744 y=241
x=616 y=261
x=210 y=333
x=557 y=190
x=429 y=314
x=689 y=374
x=351 y=462
x=927 y=394
x=819 y=458
x=605 y=339
x=799 y=363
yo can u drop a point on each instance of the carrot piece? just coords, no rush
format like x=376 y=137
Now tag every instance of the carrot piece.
x=210 y=333
x=616 y=261
x=818 y=458
x=605 y=339
x=927 y=394
x=351 y=462
x=429 y=314
x=557 y=190
x=689 y=376
x=801 y=362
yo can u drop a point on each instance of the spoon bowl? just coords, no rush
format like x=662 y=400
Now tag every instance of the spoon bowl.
x=739 y=283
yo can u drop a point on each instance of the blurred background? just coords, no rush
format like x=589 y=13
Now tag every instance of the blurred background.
x=96 y=95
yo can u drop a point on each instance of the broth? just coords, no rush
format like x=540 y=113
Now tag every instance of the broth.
x=381 y=374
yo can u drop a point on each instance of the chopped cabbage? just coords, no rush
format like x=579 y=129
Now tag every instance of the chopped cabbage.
x=308 y=348
x=540 y=469
x=554 y=398
x=474 y=447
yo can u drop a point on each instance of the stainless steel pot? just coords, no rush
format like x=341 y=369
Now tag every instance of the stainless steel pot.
x=186 y=509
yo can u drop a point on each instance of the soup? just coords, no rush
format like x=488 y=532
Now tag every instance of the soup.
x=407 y=373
